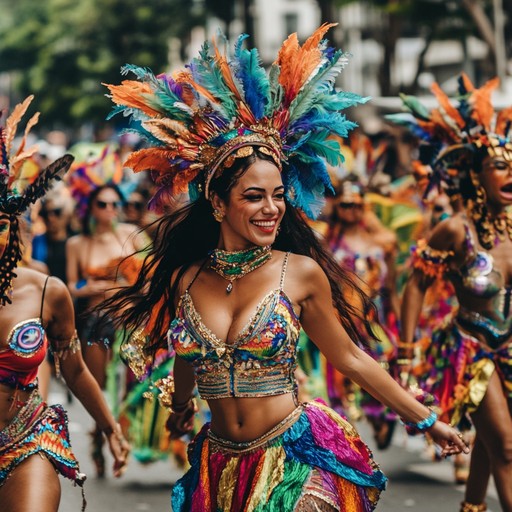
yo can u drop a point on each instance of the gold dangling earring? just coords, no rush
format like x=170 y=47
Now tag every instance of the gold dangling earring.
x=218 y=215
x=480 y=215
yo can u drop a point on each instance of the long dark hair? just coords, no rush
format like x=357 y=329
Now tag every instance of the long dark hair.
x=187 y=236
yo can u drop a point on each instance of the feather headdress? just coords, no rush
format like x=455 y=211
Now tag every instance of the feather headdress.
x=22 y=182
x=200 y=119
x=97 y=165
x=453 y=134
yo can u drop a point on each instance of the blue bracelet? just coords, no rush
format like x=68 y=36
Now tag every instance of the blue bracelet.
x=422 y=426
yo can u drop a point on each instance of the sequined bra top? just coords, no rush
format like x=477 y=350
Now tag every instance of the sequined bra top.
x=260 y=361
x=478 y=277
x=26 y=349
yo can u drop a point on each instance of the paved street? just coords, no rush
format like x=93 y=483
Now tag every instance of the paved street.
x=416 y=484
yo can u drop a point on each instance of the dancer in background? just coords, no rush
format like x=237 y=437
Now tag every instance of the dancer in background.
x=249 y=150
x=93 y=259
x=470 y=361
x=369 y=251
x=36 y=314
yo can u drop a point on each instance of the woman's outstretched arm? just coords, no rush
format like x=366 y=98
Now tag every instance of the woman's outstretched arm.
x=319 y=319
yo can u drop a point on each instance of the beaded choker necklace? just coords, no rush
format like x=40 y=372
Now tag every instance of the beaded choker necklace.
x=235 y=265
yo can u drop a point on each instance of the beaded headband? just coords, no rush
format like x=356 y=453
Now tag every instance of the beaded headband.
x=197 y=121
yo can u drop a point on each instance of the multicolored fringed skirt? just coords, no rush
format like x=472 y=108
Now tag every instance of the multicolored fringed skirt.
x=312 y=460
x=459 y=368
x=46 y=435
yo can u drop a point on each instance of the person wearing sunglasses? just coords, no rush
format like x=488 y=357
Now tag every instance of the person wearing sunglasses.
x=50 y=246
x=93 y=265
x=361 y=243
x=135 y=209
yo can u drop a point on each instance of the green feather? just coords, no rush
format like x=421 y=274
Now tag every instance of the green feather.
x=415 y=106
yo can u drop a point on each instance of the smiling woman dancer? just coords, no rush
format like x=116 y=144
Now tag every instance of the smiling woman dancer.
x=470 y=371
x=238 y=271
x=36 y=313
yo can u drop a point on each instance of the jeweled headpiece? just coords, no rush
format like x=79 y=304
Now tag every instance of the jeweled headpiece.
x=198 y=121
x=22 y=182
x=96 y=165
x=452 y=135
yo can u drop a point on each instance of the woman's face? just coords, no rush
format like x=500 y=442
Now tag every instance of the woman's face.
x=349 y=211
x=5 y=231
x=106 y=206
x=134 y=208
x=496 y=178
x=255 y=209
x=55 y=214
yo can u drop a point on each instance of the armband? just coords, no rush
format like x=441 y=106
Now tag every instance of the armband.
x=432 y=262
x=61 y=349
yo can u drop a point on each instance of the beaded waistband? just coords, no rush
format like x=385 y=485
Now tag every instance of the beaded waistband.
x=494 y=336
x=25 y=417
x=239 y=447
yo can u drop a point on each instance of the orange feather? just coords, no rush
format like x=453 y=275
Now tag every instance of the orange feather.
x=226 y=72
x=187 y=79
x=468 y=85
x=483 y=111
x=441 y=127
x=298 y=63
x=13 y=120
x=131 y=93
x=504 y=118
x=31 y=123
x=444 y=101
x=168 y=131
x=150 y=159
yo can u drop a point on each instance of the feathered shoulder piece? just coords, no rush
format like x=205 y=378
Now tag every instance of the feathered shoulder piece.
x=455 y=130
x=22 y=181
x=96 y=165
x=197 y=121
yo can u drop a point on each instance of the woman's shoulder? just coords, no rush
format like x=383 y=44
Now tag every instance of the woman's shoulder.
x=303 y=266
x=449 y=233
x=185 y=274
x=36 y=280
x=127 y=229
x=75 y=240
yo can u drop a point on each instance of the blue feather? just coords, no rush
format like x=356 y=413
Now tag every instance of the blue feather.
x=253 y=78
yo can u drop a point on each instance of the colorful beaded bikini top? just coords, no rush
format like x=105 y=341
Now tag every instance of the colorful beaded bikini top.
x=260 y=362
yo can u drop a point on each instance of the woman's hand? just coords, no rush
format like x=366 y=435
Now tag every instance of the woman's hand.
x=449 y=439
x=119 y=448
x=181 y=422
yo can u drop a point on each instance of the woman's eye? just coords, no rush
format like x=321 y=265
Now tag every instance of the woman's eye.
x=3 y=227
x=500 y=165
x=279 y=196
x=253 y=198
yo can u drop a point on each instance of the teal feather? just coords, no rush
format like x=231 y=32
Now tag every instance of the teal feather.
x=207 y=74
x=276 y=92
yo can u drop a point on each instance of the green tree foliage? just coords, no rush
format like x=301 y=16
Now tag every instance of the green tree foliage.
x=62 y=50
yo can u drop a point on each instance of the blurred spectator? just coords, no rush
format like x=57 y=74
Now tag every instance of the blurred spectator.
x=50 y=247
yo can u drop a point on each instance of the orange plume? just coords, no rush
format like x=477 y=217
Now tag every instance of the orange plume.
x=445 y=103
x=130 y=93
x=483 y=111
